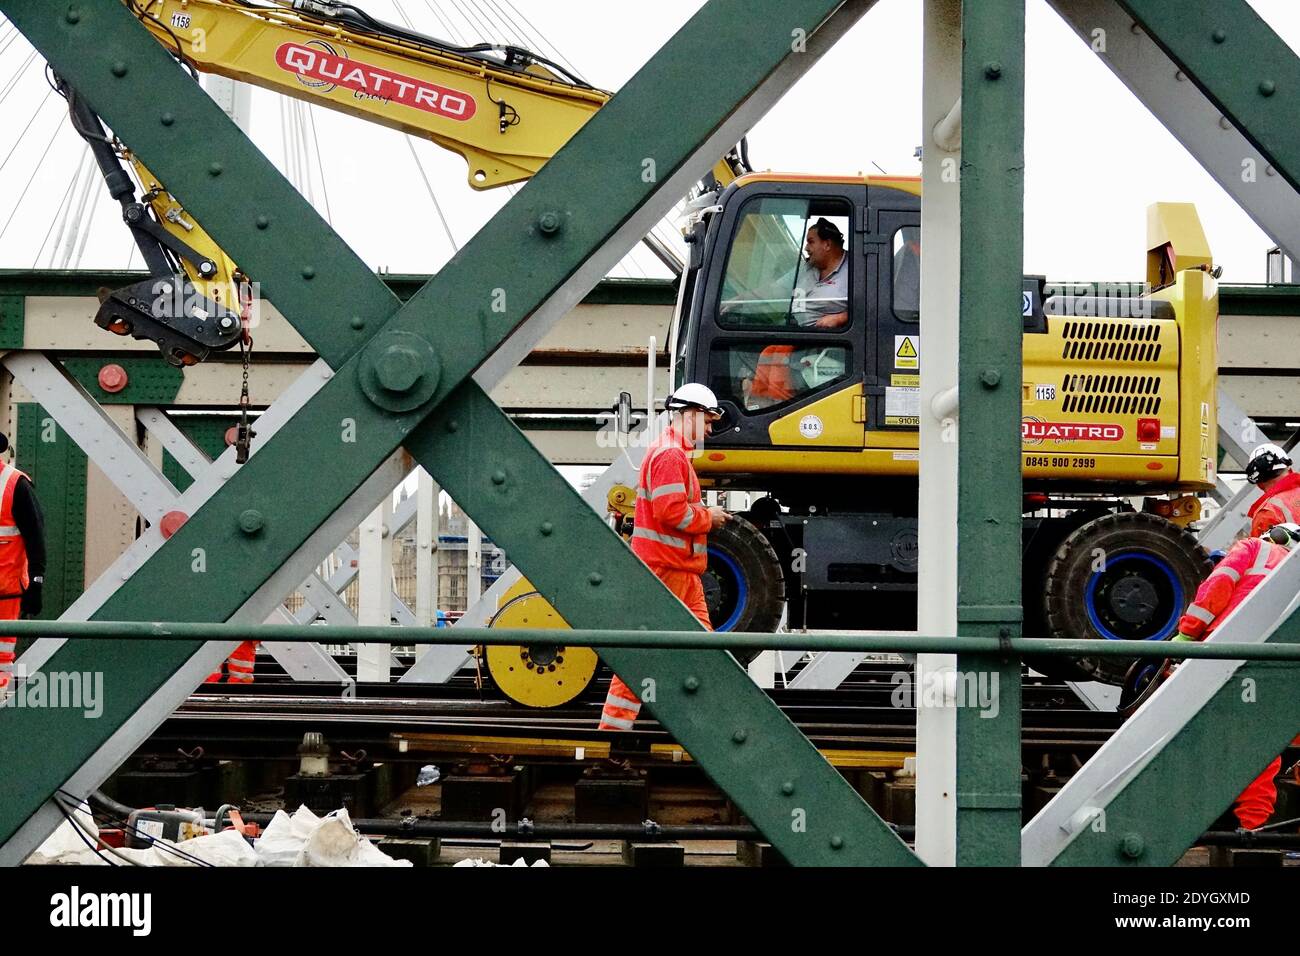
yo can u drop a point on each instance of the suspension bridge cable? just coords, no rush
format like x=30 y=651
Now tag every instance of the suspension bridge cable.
x=433 y=198
x=320 y=165
x=23 y=134
x=23 y=195
x=554 y=50
x=67 y=193
x=452 y=32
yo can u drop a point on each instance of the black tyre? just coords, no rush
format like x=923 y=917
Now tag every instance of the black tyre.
x=743 y=585
x=1126 y=576
x=1039 y=548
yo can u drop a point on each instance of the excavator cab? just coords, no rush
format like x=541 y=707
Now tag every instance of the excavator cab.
x=798 y=347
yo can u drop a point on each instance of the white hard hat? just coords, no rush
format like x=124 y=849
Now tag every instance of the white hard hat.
x=1267 y=461
x=694 y=395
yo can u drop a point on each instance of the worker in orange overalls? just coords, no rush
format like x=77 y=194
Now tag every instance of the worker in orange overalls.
x=22 y=557
x=239 y=665
x=671 y=525
x=1242 y=570
x=1269 y=468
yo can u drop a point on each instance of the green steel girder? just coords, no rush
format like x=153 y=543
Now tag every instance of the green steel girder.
x=1245 y=69
x=149 y=382
x=255 y=522
x=1173 y=800
x=989 y=375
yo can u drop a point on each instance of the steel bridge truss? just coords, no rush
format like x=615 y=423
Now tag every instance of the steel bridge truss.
x=398 y=383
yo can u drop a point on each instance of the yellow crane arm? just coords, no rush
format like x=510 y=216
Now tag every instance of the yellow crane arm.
x=506 y=122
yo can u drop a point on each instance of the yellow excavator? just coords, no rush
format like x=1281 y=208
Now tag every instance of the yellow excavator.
x=821 y=419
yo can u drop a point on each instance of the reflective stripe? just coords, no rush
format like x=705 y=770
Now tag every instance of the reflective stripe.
x=1261 y=560
x=1228 y=573
x=1286 y=512
x=686 y=522
x=615 y=723
x=676 y=488
x=8 y=531
x=700 y=548
x=614 y=700
x=1200 y=613
x=661 y=538
x=236 y=679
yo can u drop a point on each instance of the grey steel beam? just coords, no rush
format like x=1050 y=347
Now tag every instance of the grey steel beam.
x=1218 y=145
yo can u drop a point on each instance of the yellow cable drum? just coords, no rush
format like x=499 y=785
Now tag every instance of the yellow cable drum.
x=536 y=676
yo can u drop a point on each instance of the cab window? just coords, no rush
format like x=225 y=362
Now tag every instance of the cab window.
x=759 y=375
x=907 y=273
x=788 y=266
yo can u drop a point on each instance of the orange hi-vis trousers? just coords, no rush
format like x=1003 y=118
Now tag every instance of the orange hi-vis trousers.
x=9 y=610
x=621 y=704
x=239 y=665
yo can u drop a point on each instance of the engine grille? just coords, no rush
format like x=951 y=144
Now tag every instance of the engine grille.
x=1111 y=394
x=1111 y=341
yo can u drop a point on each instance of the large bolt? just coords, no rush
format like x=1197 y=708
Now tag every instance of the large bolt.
x=549 y=223
x=993 y=70
x=398 y=368
x=112 y=378
x=1132 y=846
x=251 y=521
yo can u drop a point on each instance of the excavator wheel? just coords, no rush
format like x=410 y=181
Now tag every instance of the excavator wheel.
x=743 y=585
x=1126 y=576
x=1039 y=548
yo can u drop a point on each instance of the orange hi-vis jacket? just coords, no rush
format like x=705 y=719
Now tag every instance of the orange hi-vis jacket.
x=1281 y=505
x=1239 y=573
x=671 y=524
x=13 y=551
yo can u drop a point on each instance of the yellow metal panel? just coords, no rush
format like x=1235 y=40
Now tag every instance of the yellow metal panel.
x=827 y=423
x=1175 y=224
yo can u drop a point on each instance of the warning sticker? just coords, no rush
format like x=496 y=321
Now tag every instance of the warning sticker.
x=907 y=456
x=907 y=351
x=902 y=406
x=905 y=381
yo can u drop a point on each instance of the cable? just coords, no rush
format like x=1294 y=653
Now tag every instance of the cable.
x=18 y=74
x=85 y=231
x=447 y=24
x=58 y=216
x=545 y=42
x=79 y=828
x=320 y=166
x=483 y=30
x=437 y=208
x=158 y=843
x=23 y=195
x=20 y=136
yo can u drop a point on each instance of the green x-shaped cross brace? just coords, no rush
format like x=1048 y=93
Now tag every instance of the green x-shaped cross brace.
x=402 y=377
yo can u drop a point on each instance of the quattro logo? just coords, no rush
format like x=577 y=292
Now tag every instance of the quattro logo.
x=1034 y=431
x=321 y=67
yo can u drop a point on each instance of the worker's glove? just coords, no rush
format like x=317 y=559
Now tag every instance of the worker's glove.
x=31 y=599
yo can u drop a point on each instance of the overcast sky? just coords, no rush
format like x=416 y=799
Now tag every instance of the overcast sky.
x=1094 y=156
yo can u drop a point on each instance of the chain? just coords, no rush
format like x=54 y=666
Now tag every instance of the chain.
x=244 y=432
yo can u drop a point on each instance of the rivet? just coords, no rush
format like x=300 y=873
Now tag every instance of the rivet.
x=993 y=70
x=73 y=15
x=546 y=528
x=1267 y=87
x=1219 y=35
x=594 y=578
x=215 y=169
x=1179 y=75
x=118 y=69
x=787 y=788
x=308 y=273
x=453 y=426
x=167 y=119
x=549 y=223
x=691 y=685
x=1132 y=846
x=990 y=377
x=251 y=521
x=357 y=322
x=739 y=737
x=837 y=842
x=261 y=222
x=498 y=477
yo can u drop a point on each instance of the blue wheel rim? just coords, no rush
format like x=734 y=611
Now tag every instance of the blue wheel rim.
x=741 y=588
x=1165 y=629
